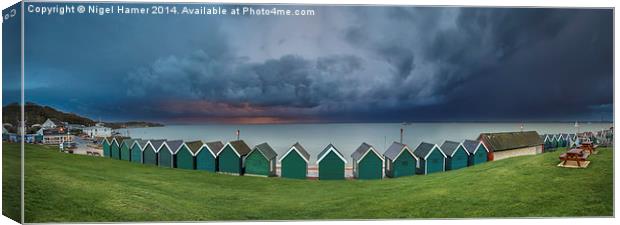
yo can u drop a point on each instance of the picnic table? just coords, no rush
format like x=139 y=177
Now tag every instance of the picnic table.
x=577 y=155
x=588 y=146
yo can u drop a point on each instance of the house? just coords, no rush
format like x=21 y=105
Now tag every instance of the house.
x=106 y=144
x=294 y=163
x=206 y=154
x=478 y=153
x=457 y=155
x=261 y=161
x=555 y=140
x=125 y=149
x=56 y=136
x=508 y=144
x=150 y=152
x=136 y=150
x=562 y=140
x=97 y=131
x=115 y=149
x=331 y=164
x=400 y=161
x=52 y=123
x=432 y=158
x=548 y=143
x=367 y=162
x=230 y=158
x=167 y=153
x=185 y=156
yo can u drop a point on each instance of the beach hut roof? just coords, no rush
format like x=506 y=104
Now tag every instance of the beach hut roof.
x=299 y=149
x=330 y=148
x=156 y=144
x=395 y=150
x=140 y=142
x=118 y=139
x=215 y=147
x=362 y=150
x=194 y=146
x=129 y=142
x=510 y=140
x=472 y=146
x=239 y=147
x=424 y=150
x=450 y=147
x=175 y=145
x=266 y=150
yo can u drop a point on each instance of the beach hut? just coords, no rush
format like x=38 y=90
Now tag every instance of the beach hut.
x=150 y=153
x=261 y=161
x=125 y=149
x=367 y=162
x=331 y=164
x=167 y=152
x=230 y=158
x=115 y=149
x=555 y=143
x=547 y=140
x=458 y=156
x=136 y=150
x=185 y=157
x=206 y=154
x=432 y=158
x=478 y=153
x=400 y=161
x=562 y=140
x=294 y=163
x=106 y=144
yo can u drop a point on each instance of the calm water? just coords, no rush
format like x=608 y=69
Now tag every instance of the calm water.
x=346 y=137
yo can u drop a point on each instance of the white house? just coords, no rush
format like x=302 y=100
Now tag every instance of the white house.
x=51 y=123
x=97 y=131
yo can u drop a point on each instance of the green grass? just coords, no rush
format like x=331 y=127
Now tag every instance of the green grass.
x=64 y=187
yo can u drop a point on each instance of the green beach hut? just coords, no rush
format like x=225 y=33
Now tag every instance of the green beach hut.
x=477 y=152
x=115 y=148
x=230 y=158
x=185 y=156
x=206 y=154
x=167 y=153
x=125 y=149
x=106 y=144
x=261 y=161
x=331 y=164
x=400 y=160
x=136 y=150
x=367 y=162
x=548 y=143
x=458 y=156
x=432 y=158
x=555 y=140
x=150 y=153
x=294 y=163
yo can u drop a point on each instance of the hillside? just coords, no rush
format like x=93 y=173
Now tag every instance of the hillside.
x=37 y=114
x=94 y=189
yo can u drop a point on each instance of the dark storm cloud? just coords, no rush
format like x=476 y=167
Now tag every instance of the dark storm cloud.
x=347 y=64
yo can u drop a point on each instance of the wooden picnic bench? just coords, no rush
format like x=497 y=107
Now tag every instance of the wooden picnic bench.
x=576 y=154
x=588 y=146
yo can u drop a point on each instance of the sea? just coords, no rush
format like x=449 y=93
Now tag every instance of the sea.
x=346 y=137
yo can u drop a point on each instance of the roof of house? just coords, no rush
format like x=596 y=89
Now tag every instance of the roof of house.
x=424 y=149
x=470 y=145
x=174 y=145
x=157 y=143
x=141 y=143
x=119 y=139
x=128 y=142
x=240 y=147
x=266 y=150
x=215 y=146
x=302 y=151
x=449 y=147
x=327 y=149
x=394 y=150
x=510 y=140
x=194 y=146
x=361 y=151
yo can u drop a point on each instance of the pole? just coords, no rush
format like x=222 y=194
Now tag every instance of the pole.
x=238 y=134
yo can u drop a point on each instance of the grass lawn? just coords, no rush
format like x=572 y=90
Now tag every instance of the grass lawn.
x=64 y=187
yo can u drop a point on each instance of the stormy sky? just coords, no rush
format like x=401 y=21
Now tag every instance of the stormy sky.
x=345 y=64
